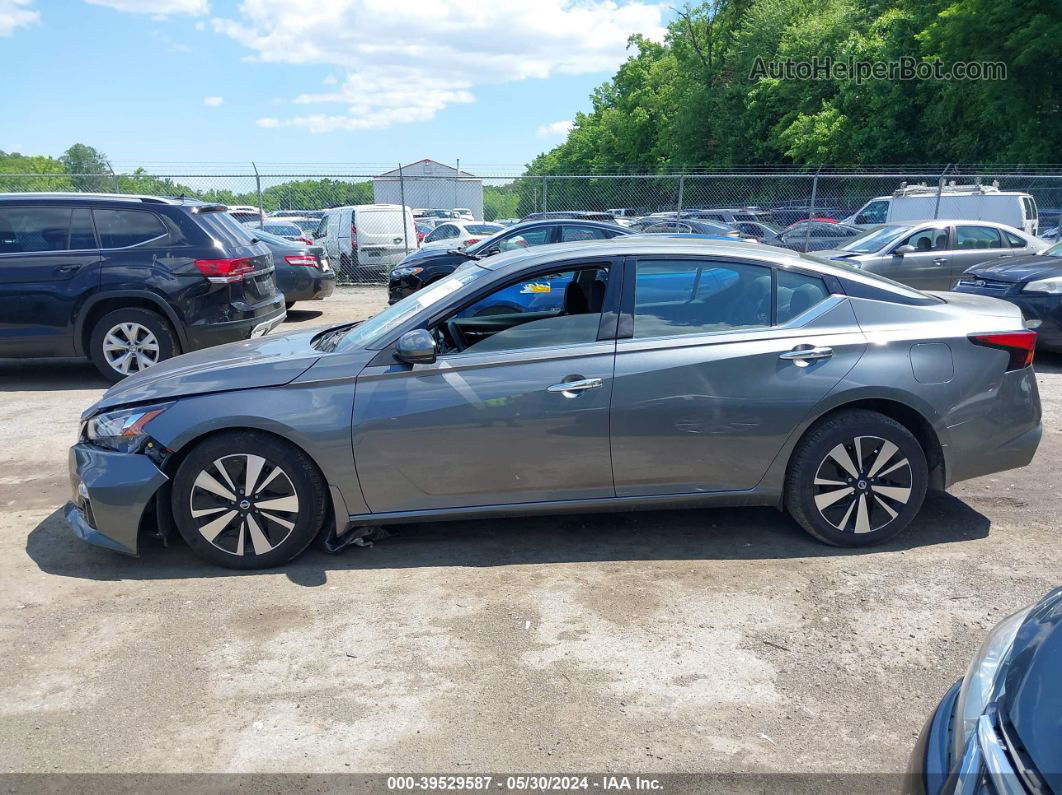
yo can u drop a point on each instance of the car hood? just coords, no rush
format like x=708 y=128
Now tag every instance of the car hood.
x=422 y=254
x=1032 y=699
x=1018 y=269
x=838 y=254
x=268 y=361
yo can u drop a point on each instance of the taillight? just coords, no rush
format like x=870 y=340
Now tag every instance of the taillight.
x=224 y=271
x=304 y=240
x=1021 y=345
x=301 y=259
x=353 y=237
x=471 y=240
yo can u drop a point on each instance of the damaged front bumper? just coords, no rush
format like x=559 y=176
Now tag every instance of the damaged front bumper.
x=111 y=492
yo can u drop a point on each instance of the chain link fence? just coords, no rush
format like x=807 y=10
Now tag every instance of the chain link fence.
x=505 y=195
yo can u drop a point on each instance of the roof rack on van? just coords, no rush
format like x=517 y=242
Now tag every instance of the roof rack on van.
x=951 y=187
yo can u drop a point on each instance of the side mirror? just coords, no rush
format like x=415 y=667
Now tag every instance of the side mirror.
x=901 y=250
x=490 y=252
x=416 y=347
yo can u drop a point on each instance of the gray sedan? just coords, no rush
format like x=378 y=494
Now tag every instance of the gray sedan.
x=638 y=373
x=931 y=255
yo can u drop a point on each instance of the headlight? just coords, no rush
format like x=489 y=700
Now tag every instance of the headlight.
x=979 y=686
x=406 y=270
x=121 y=430
x=1052 y=285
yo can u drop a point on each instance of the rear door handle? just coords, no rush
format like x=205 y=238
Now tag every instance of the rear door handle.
x=574 y=388
x=939 y=261
x=67 y=268
x=803 y=355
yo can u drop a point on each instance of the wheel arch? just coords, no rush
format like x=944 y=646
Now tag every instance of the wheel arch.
x=902 y=412
x=99 y=305
x=336 y=514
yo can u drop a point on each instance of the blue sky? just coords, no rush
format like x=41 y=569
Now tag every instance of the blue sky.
x=306 y=81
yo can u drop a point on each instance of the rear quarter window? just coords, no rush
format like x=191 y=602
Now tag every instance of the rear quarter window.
x=129 y=228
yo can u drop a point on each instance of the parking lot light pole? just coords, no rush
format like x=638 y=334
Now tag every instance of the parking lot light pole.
x=402 y=195
x=940 y=189
x=811 y=208
x=258 y=187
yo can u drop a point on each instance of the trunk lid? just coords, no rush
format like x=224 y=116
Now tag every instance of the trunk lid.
x=258 y=287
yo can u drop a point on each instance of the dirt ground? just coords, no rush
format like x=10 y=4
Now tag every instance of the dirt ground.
x=709 y=640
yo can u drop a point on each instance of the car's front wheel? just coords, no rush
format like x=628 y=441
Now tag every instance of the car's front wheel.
x=248 y=500
x=857 y=478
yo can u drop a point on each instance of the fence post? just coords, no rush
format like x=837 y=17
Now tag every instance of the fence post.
x=402 y=194
x=545 y=193
x=940 y=189
x=682 y=189
x=457 y=176
x=258 y=188
x=811 y=208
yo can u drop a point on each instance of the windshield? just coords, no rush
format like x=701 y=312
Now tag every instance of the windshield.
x=875 y=239
x=376 y=327
x=1054 y=251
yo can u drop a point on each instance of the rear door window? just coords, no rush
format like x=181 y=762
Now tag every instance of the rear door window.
x=677 y=297
x=31 y=229
x=128 y=228
x=82 y=235
x=978 y=237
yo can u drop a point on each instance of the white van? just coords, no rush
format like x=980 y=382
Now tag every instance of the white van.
x=367 y=240
x=967 y=202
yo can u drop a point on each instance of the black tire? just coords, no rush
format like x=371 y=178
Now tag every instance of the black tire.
x=150 y=327
x=847 y=497
x=288 y=305
x=242 y=533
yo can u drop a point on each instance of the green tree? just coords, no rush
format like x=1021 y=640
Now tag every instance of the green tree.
x=87 y=167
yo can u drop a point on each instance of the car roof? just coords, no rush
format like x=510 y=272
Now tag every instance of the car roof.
x=687 y=245
x=115 y=197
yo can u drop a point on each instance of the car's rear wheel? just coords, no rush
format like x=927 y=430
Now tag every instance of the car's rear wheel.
x=856 y=479
x=127 y=341
x=248 y=500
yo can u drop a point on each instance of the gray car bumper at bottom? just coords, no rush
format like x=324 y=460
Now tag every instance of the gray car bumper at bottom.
x=111 y=492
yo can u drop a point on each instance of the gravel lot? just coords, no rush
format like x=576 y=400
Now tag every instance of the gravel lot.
x=721 y=640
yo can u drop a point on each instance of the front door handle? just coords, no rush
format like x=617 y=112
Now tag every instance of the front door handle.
x=939 y=261
x=804 y=355
x=67 y=268
x=575 y=388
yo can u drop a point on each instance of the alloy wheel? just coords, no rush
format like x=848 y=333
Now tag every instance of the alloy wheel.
x=863 y=484
x=243 y=504
x=130 y=348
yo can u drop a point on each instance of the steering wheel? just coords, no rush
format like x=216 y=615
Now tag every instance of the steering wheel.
x=455 y=334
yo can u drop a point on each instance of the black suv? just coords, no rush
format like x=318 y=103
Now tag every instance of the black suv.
x=128 y=280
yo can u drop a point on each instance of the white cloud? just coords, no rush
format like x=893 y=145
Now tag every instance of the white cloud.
x=157 y=8
x=16 y=14
x=330 y=80
x=405 y=60
x=557 y=128
x=213 y=101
